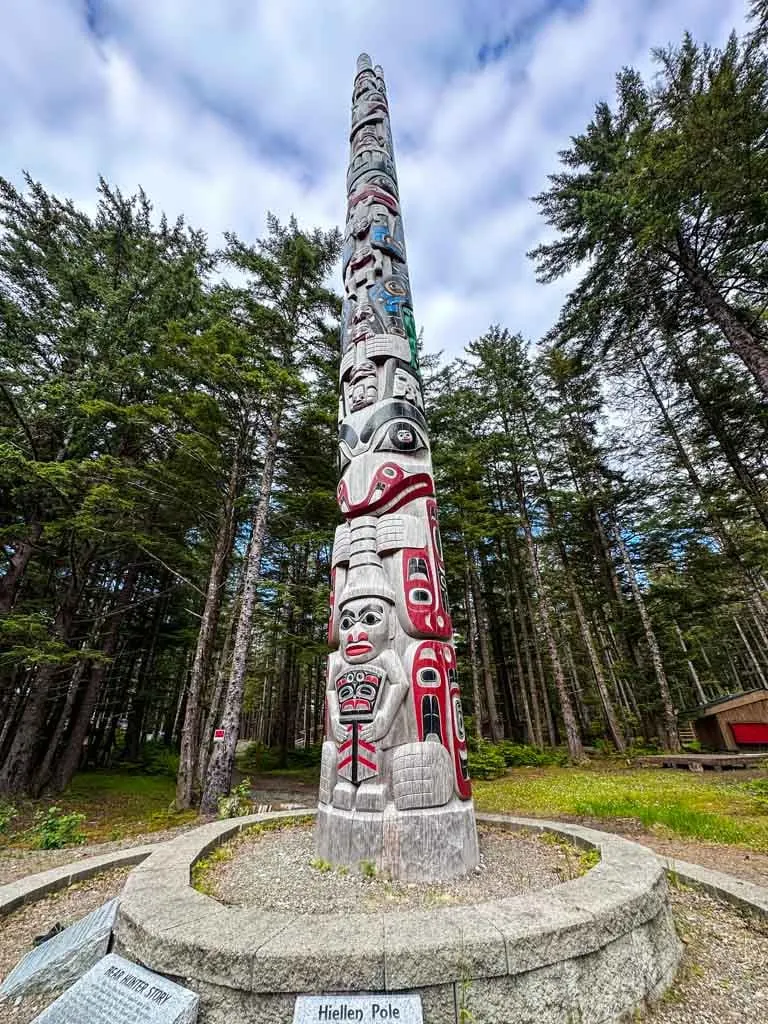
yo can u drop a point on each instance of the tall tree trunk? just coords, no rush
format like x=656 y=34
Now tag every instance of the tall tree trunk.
x=698 y=688
x=286 y=674
x=19 y=764
x=523 y=610
x=531 y=736
x=614 y=728
x=668 y=711
x=585 y=718
x=219 y=773
x=44 y=772
x=477 y=705
x=69 y=760
x=190 y=733
x=745 y=341
x=572 y=734
x=586 y=633
x=485 y=658
x=217 y=698
x=11 y=579
x=752 y=656
x=318 y=705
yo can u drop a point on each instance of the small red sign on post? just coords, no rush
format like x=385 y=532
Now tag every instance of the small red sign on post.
x=218 y=735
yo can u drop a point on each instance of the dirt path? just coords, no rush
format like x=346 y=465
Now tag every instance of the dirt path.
x=733 y=860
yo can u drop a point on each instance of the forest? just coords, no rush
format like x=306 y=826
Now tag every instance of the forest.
x=168 y=438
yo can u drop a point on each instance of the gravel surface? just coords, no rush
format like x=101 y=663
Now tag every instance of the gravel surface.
x=66 y=906
x=17 y=863
x=723 y=977
x=277 y=870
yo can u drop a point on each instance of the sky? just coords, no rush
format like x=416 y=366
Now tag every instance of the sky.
x=225 y=109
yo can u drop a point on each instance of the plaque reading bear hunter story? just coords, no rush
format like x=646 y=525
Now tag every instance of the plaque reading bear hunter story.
x=117 y=990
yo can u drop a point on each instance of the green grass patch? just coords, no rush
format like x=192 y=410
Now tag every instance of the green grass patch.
x=577 y=861
x=680 y=803
x=116 y=805
x=202 y=870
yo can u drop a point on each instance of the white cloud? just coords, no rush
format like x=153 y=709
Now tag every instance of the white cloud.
x=225 y=110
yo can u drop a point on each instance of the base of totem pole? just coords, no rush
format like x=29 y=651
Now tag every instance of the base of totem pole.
x=426 y=845
x=597 y=949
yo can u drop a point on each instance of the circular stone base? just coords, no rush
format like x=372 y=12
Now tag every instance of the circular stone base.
x=426 y=845
x=592 y=950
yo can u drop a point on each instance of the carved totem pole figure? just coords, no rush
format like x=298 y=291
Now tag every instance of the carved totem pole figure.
x=394 y=783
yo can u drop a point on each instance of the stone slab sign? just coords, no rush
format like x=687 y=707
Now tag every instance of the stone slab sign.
x=66 y=957
x=115 y=990
x=378 y=1008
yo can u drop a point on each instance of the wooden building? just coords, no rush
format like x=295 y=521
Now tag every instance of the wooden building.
x=735 y=723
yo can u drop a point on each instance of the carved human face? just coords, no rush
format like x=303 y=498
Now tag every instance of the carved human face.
x=359 y=397
x=364 y=629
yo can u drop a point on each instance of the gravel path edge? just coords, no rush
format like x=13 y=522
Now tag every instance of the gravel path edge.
x=739 y=893
x=729 y=889
x=34 y=887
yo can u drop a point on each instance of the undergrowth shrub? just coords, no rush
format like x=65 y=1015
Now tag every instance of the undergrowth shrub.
x=53 y=829
x=7 y=813
x=486 y=761
x=238 y=802
x=521 y=755
x=157 y=759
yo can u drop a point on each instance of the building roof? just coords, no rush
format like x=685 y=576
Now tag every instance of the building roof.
x=732 y=700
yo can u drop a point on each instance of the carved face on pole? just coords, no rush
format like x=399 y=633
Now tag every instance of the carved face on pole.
x=364 y=629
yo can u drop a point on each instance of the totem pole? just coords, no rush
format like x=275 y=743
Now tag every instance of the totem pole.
x=394 y=786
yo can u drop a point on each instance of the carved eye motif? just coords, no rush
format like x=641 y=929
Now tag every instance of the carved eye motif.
x=402 y=436
x=366 y=691
x=429 y=677
x=346 y=692
x=371 y=618
x=458 y=716
x=346 y=622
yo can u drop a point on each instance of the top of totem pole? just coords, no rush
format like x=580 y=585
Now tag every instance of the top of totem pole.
x=363 y=62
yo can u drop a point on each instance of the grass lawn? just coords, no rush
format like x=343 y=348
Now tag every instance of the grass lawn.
x=116 y=805
x=729 y=808
x=711 y=808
